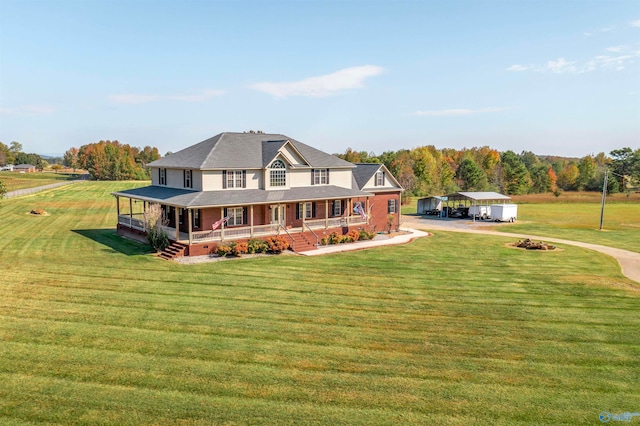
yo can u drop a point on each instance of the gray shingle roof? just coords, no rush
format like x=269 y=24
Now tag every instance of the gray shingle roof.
x=243 y=151
x=194 y=199
x=364 y=171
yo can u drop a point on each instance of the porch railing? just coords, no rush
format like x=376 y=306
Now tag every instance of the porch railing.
x=234 y=233
x=135 y=222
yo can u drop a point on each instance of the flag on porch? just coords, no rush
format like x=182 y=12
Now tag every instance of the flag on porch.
x=360 y=210
x=217 y=223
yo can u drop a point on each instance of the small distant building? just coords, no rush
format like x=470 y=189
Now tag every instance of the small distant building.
x=7 y=168
x=26 y=168
x=430 y=205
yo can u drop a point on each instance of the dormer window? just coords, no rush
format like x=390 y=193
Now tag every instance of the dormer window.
x=278 y=174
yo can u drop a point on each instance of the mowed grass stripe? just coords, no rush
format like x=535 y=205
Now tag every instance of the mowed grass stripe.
x=523 y=344
x=251 y=380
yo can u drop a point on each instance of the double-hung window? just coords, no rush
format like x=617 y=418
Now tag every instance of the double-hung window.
x=391 y=206
x=234 y=179
x=320 y=176
x=236 y=216
x=188 y=181
x=162 y=176
x=306 y=210
x=196 y=218
x=380 y=178
x=337 y=208
x=278 y=174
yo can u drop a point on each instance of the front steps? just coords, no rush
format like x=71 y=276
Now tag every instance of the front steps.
x=176 y=249
x=303 y=242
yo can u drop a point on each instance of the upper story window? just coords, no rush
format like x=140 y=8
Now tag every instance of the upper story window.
x=234 y=179
x=278 y=174
x=188 y=181
x=320 y=177
x=163 y=176
x=380 y=178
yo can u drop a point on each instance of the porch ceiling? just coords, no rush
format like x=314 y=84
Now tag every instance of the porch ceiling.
x=194 y=199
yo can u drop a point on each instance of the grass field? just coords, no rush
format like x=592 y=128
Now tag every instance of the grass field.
x=15 y=181
x=576 y=216
x=96 y=330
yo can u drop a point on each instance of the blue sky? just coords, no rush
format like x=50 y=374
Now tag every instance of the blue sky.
x=557 y=77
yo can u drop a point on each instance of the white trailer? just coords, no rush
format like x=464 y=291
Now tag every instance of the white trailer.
x=504 y=212
x=480 y=212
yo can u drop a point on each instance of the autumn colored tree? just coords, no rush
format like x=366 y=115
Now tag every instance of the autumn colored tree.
x=553 y=179
x=568 y=177
x=70 y=158
x=111 y=160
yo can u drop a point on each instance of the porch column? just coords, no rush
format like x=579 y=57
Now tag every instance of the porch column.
x=367 y=209
x=190 y=224
x=222 y=225
x=326 y=214
x=118 y=207
x=144 y=212
x=350 y=205
x=251 y=221
x=175 y=216
x=130 y=212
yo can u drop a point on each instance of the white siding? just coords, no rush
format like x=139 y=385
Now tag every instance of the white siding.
x=211 y=180
x=196 y=177
x=298 y=178
x=155 y=176
x=291 y=156
x=341 y=177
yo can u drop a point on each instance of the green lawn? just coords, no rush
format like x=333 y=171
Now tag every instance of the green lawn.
x=15 y=181
x=96 y=330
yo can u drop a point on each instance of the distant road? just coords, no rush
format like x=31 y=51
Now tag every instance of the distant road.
x=29 y=191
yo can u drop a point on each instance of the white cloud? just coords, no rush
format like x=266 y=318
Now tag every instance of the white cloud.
x=457 y=112
x=141 y=99
x=635 y=23
x=517 y=67
x=625 y=55
x=29 y=109
x=615 y=49
x=323 y=85
x=561 y=66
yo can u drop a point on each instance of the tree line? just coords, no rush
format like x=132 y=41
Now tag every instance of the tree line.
x=13 y=154
x=111 y=160
x=426 y=170
x=423 y=170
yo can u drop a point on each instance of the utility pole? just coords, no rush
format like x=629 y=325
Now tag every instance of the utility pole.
x=604 y=194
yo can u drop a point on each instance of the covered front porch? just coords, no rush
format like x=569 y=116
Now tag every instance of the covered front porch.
x=200 y=226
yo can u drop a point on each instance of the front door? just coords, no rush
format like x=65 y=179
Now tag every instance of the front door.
x=278 y=214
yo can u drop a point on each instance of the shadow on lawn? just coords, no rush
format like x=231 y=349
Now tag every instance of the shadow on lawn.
x=114 y=242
